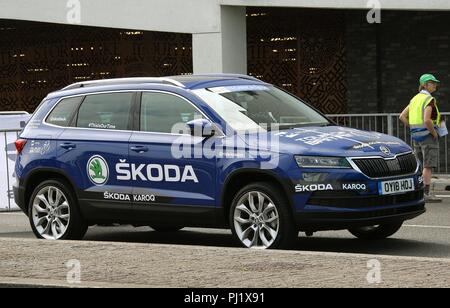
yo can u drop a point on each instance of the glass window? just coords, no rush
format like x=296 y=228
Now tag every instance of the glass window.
x=253 y=107
x=64 y=111
x=105 y=111
x=161 y=112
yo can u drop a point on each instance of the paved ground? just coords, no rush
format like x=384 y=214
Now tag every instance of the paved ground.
x=129 y=256
x=425 y=236
x=26 y=261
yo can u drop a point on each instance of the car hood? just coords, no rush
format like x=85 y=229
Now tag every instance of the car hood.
x=328 y=141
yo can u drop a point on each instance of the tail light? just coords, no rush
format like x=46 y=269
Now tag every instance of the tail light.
x=20 y=144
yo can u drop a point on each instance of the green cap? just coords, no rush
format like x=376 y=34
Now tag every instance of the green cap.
x=427 y=77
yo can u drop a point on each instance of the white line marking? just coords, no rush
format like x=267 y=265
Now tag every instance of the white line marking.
x=425 y=226
x=443 y=196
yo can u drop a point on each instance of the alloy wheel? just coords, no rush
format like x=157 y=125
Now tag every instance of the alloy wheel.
x=256 y=220
x=51 y=213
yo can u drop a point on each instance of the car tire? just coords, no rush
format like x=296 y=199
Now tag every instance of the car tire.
x=166 y=228
x=54 y=213
x=269 y=216
x=378 y=232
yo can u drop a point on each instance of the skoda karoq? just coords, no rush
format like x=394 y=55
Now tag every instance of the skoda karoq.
x=226 y=151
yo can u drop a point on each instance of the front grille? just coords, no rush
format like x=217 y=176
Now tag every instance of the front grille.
x=351 y=201
x=381 y=168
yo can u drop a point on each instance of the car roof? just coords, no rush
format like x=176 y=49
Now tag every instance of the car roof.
x=210 y=80
x=189 y=82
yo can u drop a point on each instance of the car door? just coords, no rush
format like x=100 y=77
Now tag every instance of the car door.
x=90 y=148
x=166 y=178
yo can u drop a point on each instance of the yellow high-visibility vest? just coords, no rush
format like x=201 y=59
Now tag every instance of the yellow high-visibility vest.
x=417 y=106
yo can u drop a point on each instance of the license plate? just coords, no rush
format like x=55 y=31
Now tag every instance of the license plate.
x=396 y=186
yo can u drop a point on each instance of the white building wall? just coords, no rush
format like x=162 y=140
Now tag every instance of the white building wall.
x=428 y=5
x=181 y=16
x=218 y=26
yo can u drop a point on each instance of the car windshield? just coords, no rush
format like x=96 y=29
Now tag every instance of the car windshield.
x=256 y=107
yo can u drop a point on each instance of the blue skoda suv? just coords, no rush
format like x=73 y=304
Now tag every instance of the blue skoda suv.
x=220 y=151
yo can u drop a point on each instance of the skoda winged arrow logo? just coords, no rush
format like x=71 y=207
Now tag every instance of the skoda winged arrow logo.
x=97 y=170
x=385 y=150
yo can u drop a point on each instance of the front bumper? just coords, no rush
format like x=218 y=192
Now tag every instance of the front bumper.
x=331 y=205
x=344 y=220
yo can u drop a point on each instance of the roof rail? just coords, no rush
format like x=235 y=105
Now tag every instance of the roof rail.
x=13 y=113
x=241 y=76
x=115 y=81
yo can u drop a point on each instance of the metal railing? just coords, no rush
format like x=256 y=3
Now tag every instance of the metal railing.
x=389 y=123
x=7 y=162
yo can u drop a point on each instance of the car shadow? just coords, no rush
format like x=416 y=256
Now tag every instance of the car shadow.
x=223 y=238
x=391 y=246
x=147 y=235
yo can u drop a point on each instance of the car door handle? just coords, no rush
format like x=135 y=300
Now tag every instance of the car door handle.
x=139 y=149
x=68 y=145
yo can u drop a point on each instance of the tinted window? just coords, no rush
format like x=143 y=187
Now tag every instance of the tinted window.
x=105 y=111
x=160 y=112
x=64 y=111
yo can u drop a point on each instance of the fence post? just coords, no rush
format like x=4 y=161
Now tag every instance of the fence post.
x=390 y=124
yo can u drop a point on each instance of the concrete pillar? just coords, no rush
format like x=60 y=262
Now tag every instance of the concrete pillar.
x=224 y=51
x=207 y=53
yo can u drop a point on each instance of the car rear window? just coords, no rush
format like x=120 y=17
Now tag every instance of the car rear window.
x=64 y=111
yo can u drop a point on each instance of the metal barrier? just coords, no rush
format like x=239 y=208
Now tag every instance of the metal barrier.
x=11 y=122
x=7 y=161
x=389 y=123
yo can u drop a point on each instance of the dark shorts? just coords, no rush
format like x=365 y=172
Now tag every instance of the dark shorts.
x=427 y=152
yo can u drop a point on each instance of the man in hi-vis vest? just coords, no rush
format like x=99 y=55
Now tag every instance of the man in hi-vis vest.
x=423 y=117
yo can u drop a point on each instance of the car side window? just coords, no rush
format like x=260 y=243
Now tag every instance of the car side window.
x=105 y=111
x=160 y=112
x=63 y=112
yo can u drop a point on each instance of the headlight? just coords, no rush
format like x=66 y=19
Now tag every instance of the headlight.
x=322 y=162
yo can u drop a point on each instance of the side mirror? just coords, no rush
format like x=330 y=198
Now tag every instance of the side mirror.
x=201 y=128
x=23 y=124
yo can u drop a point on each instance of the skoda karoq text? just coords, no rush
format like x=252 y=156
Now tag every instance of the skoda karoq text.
x=207 y=151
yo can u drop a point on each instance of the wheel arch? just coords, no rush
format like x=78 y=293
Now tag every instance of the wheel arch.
x=38 y=176
x=242 y=177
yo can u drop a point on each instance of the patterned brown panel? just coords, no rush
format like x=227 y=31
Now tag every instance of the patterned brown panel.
x=302 y=51
x=37 y=58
